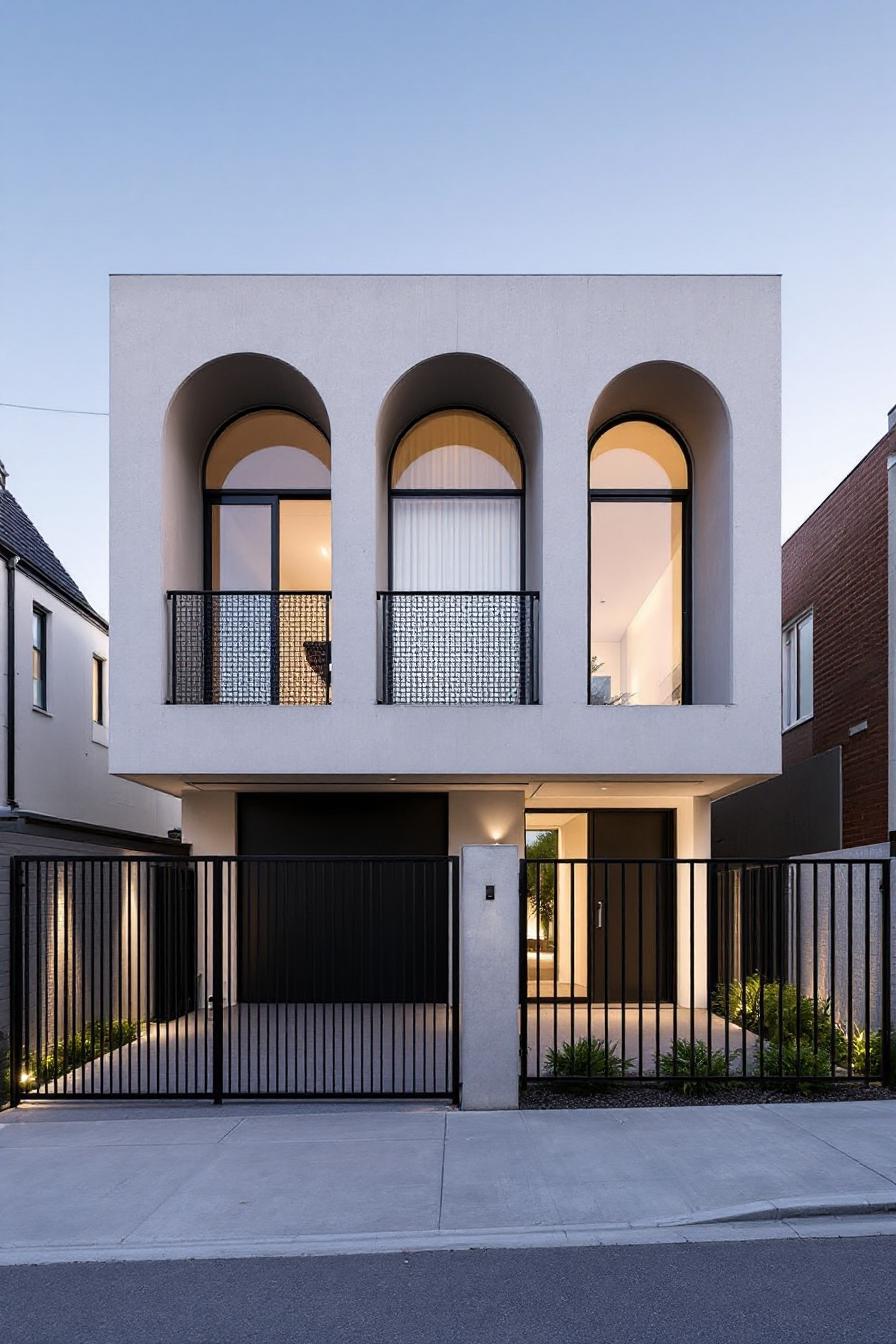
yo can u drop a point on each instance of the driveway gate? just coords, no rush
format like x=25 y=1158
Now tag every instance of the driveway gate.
x=232 y=977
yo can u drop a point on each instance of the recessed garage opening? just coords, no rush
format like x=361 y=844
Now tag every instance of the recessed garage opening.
x=320 y=962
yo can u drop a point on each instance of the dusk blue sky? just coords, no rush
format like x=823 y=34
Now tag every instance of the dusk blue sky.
x=629 y=136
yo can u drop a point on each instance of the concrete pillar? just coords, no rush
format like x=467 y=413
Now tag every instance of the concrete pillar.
x=694 y=842
x=489 y=977
x=208 y=821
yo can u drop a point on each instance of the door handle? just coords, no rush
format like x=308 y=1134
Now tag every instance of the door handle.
x=600 y=914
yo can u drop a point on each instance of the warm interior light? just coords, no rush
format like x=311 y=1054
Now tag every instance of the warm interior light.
x=25 y=1078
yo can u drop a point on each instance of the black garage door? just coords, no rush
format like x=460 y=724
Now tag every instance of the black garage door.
x=353 y=927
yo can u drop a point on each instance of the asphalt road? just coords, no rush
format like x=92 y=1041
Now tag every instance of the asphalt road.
x=818 y=1291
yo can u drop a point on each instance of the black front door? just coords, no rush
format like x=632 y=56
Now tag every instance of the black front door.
x=357 y=928
x=632 y=906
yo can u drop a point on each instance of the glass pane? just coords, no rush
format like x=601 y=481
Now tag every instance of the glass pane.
x=457 y=450
x=269 y=450
x=804 y=690
x=637 y=455
x=241 y=547
x=788 y=677
x=558 y=904
x=305 y=562
x=456 y=545
x=636 y=603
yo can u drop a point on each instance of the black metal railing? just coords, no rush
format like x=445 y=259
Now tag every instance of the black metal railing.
x=703 y=971
x=453 y=648
x=234 y=977
x=249 y=648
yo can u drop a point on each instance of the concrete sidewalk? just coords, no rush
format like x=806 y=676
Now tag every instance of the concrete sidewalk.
x=128 y=1181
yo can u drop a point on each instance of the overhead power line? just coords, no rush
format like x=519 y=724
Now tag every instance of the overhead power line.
x=53 y=410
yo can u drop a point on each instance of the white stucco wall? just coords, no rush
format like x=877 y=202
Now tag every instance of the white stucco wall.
x=567 y=341
x=61 y=758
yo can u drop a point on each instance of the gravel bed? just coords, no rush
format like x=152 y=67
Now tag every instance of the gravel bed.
x=549 y=1097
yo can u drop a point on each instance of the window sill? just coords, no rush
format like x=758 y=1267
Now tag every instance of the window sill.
x=45 y=713
x=798 y=723
x=99 y=734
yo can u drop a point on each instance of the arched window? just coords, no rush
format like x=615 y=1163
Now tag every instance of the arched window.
x=456 y=506
x=267 y=562
x=267 y=492
x=639 y=492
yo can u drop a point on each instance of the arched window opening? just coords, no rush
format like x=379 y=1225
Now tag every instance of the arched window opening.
x=268 y=561
x=639 y=493
x=456 y=506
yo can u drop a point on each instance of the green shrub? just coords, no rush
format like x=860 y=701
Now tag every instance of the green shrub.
x=98 y=1038
x=772 y=1008
x=586 y=1061
x=738 y=1000
x=865 y=1052
x=692 y=1068
x=806 y=1065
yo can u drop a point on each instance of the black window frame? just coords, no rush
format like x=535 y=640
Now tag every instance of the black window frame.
x=98 y=690
x=671 y=496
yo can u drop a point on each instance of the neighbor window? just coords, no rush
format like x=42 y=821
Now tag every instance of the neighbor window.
x=796 y=670
x=639 y=494
x=39 y=658
x=99 y=689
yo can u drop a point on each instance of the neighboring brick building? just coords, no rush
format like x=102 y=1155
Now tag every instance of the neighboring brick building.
x=834 y=572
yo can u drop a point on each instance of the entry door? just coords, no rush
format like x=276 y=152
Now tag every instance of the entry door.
x=632 y=906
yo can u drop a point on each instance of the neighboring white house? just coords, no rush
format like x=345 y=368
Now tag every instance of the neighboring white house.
x=58 y=794
x=413 y=563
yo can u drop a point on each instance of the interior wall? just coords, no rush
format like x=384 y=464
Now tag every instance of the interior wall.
x=644 y=653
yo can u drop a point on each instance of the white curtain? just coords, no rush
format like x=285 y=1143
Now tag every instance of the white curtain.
x=456 y=545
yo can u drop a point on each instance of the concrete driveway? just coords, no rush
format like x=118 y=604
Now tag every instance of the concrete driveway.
x=174 y=1181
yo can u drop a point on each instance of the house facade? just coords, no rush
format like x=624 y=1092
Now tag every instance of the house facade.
x=836 y=678
x=58 y=794
x=422 y=565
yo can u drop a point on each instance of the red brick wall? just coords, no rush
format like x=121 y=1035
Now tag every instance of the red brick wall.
x=836 y=563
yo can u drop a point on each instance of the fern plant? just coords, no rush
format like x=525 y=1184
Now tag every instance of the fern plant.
x=586 y=1061
x=804 y=1065
x=692 y=1068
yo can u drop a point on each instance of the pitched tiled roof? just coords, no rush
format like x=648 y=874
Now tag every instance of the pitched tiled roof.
x=19 y=536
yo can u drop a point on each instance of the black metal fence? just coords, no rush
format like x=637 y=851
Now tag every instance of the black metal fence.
x=223 y=977
x=695 y=971
x=245 y=648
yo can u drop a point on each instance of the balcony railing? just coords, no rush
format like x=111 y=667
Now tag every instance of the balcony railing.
x=249 y=648
x=458 y=648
